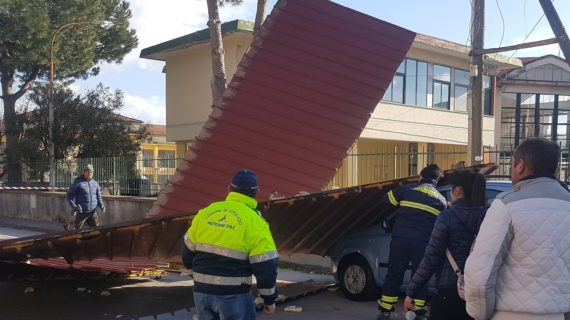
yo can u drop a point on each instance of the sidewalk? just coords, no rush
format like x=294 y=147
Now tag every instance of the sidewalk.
x=31 y=225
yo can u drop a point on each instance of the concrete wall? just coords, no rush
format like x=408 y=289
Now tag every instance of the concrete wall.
x=53 y=207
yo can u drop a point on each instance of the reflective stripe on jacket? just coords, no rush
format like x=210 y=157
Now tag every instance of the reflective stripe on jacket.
x=416 y=207
x=227 y=242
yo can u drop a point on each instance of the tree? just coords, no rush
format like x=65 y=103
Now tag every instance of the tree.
x=85 y=126
x=218 y=65
x=27 y=27
x=259 y=15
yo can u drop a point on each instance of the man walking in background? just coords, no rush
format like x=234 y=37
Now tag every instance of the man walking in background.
x=84 y=197
x=520 y=264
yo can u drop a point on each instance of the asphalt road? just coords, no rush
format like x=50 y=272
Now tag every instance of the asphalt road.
x=168 y=298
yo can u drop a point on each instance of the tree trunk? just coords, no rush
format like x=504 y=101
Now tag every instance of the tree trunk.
x=12 y=133
x=218 y=65
x=260 y=15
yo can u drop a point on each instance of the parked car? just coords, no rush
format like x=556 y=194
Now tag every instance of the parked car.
x=360 y=260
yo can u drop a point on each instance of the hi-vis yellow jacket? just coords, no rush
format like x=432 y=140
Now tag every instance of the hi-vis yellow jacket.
x=227 y=242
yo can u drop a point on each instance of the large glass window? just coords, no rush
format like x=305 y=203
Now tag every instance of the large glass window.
x=409 y=85
x=395 y=91
x=147 y=158
x=441 y=86
x=508 y=120
x=166 y=159
x=562 y=130
x=546 y=116
x=487 y=96
x=527 y=110
x=534 y=115
x=461 y=87
x=416 y=83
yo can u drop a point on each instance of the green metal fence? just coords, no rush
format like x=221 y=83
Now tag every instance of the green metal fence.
x=503 y=158
x=146 y=177
x=116 y=175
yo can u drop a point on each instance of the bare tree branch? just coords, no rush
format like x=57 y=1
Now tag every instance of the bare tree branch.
x=26 y=85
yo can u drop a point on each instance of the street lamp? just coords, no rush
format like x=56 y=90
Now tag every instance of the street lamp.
x=51 y=151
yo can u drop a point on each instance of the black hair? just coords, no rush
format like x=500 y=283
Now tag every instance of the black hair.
x=247 y=192
x=540 y=155
x=473 y=185
x=432 y=172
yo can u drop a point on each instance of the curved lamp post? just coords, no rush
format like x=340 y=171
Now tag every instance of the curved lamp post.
x=51 y=151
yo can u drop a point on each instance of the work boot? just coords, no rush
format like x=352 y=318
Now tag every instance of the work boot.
x=421 y=314
x=383 y=315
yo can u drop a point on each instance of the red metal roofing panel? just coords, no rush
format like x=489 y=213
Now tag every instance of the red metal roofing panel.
x=310 y=223
x=301 y=96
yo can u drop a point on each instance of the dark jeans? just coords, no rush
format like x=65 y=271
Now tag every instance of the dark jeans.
x=447 y=305
x=402 y=253
x=86 y=219
x=224 y=307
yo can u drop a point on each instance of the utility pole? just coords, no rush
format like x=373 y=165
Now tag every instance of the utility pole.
x=557 y=27
x=475 y=125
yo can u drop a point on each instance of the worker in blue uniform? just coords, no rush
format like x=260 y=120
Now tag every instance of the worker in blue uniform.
x=227 y=242
x=415 y=208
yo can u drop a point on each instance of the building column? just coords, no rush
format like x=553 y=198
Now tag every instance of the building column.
x=182 y=148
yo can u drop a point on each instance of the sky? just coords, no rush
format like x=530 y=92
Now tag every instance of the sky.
x=143 y=82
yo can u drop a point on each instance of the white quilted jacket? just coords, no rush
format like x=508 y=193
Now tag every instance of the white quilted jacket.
x=521 y=258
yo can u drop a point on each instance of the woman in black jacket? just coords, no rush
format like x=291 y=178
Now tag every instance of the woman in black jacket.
x=455 y=229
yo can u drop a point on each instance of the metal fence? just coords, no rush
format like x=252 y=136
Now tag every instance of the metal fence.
x=363 y=168
x=116 y=175
x=146 y=177
x=503 y=158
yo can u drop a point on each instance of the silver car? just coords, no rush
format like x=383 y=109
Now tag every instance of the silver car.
x=360 y=260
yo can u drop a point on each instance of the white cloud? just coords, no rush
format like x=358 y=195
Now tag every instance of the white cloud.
x=159 y=21
x=149 y=110
x=74 y=87
x=539 y=34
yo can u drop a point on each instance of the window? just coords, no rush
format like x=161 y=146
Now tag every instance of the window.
x=416 y=83
x=441 y=86
x=166 y=159
x=147 y=158
x=534 y=115
x=461 y=86
x=409 y=85
x=395 y=91
x=413 y=159
x=487 y=96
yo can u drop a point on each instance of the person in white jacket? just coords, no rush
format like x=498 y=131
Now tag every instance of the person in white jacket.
x=520 y=264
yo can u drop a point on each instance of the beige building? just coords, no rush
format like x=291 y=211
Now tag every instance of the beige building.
x=421 y=119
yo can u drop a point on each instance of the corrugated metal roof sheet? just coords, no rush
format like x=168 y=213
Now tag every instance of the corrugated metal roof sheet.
x=154 y=239
x=310 y=223
x=314 y=223
x=300 y=97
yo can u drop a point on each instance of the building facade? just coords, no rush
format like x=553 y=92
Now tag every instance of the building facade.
x=421 y=119
x=534 y=101
x=157 y=159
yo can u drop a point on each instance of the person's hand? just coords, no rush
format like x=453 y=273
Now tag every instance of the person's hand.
x=269 y=309
x=78 y=209
x=103 y=209
x=408 y=304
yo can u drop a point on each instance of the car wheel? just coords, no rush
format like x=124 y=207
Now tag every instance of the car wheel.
x=357 y=281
